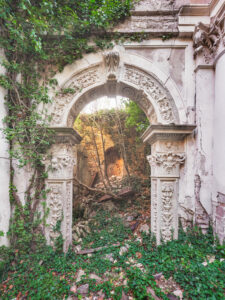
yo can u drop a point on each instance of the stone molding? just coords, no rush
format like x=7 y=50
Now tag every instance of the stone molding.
x=66 y=135
x=150 y=16
x=169 y=132
x=71 y=88
x=145 y=7
x=152 y=88
x=151 y=24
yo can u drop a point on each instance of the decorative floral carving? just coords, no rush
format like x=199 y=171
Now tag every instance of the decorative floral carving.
x=55 y=209
x=78 y=82
x=68 y=218
x=150 y=86
x=208 y=37
x=62 y=162
x=168 y=160
x=167 y=192
x=112 y=60
x=154 y=206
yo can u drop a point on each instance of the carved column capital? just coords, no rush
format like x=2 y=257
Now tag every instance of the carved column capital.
x=166 y=164
x=60 y=162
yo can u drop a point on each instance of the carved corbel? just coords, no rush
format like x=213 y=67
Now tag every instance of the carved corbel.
x=207 y=38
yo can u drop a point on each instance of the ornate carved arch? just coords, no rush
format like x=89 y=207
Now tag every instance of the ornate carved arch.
x=112 y=74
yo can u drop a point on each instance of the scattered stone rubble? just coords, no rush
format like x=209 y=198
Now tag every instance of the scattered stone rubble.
x=137 y=221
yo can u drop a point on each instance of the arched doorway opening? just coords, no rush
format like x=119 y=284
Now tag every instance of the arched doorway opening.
x=112 y=173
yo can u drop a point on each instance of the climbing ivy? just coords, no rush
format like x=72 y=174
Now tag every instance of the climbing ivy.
x=39 y=37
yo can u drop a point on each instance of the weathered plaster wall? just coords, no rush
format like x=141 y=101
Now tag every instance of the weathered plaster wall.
x=4 y=168
x=219 y=127
x=219 y=149
x=204 y=133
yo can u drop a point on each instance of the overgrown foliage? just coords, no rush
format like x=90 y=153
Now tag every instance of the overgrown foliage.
x=136 y=117
x=187 y=261
x=39 y=37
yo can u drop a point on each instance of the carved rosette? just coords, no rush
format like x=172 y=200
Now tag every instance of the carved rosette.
x=167 y=213
x=207 y=38
x=168 y=163
x=152 y=88
x=69 y=90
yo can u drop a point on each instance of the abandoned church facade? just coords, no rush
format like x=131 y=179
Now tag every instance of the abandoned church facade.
x=176 y=76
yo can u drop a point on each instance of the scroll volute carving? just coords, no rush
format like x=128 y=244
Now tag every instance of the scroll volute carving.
x=112 y=60
x=208 y=37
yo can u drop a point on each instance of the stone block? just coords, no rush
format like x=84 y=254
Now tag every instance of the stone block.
x=220 y=211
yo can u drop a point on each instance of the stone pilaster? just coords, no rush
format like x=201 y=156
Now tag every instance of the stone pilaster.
x=167 y=156
x=60 y=164
x=165 y=169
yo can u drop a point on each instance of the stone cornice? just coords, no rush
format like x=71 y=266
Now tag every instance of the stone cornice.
x=66 y=135
x=204 y=67
x=195 y=10
x=198 y=9
x=166 y=133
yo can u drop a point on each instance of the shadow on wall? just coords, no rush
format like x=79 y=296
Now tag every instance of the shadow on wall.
x=87 y=173
x=114 y=162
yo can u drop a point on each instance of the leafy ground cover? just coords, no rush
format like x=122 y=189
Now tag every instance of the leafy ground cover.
x=194 y=262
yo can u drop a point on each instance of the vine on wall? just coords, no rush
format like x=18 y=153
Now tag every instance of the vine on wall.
x=39 y=38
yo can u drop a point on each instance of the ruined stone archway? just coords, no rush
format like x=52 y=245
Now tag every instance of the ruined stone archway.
x=114 y=73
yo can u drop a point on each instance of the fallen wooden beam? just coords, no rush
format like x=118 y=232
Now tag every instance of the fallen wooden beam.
x=125 y=192
x=88 y=251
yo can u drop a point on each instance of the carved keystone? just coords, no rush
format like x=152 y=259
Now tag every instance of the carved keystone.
x=112 y=60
